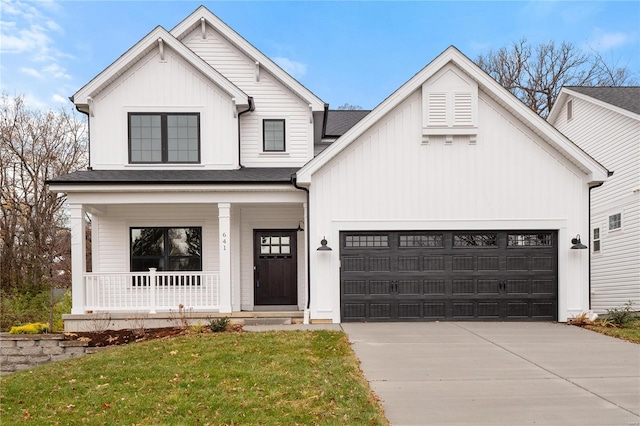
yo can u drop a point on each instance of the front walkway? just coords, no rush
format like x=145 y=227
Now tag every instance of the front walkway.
x=499 y=373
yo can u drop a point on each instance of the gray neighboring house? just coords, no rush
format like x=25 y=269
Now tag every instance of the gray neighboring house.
x=605 y=122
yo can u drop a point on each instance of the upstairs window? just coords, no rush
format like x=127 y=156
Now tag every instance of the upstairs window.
x=273 y=135
x=596 y=240
x=164 y=138
x=615 y=221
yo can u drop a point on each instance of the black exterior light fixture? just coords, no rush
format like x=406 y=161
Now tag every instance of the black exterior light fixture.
x=300 y=226
x=577 y=245
x=323 y=245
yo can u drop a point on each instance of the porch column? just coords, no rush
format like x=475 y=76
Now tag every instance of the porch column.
x=78 y=258
x=224 y=223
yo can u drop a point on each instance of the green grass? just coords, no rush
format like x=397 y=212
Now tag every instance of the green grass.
x=275 y=378
x=629 y=332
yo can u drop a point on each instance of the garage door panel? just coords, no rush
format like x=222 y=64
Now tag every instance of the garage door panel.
x=439 y=275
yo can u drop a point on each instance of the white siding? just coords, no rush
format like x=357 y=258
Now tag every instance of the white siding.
x=272 y=99
x=268 y=217
x=173 y=85
x=388 y=179
x=614 y=140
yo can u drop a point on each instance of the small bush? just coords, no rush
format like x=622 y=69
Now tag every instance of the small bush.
x=621 y=316
x=218 y=325
x=32 y=328
x=62 y=306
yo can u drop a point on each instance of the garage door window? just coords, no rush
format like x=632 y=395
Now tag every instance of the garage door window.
x=529 y=240
x=475 y=240
x=367 y=241
x=420 y=241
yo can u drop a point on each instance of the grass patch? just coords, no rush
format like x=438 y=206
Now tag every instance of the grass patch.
x=629 y=331
x=294 y=377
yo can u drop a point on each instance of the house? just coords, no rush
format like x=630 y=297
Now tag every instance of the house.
x=450 y=200
x=605 y=122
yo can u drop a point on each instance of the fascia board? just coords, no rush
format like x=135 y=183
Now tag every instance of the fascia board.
x=141 y=48
x=161 y=188
x=241 y=43
x=555 y=139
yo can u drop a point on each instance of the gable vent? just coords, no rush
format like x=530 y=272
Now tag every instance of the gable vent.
x=437 y=109
x=462 y=109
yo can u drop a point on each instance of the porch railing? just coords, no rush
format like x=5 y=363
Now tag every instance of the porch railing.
x=152 y=291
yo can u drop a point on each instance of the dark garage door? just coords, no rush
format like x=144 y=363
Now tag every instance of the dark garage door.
x=428 y=276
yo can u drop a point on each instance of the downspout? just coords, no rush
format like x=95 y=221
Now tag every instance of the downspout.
x=88 y=134
x=252 y=107
x=294 y=182
x=609 y=174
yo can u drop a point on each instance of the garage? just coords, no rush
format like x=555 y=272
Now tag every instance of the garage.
x=449 y=275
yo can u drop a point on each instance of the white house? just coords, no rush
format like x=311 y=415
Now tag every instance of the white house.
x=449 y=201
x=605 y=122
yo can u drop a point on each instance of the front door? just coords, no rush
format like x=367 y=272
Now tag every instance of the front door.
x=275 y=267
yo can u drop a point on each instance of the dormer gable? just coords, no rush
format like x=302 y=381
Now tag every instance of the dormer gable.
x=450 y=105
x=159 y=39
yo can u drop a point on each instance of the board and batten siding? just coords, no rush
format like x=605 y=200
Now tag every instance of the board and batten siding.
x=272 y=101
x=172 y=85
x=110 y=233
x=268 y=217
x=613 y=139
x=388 y=179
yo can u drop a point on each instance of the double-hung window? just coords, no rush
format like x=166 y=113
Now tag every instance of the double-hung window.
x=615 y=221
x=596 y=240
x=164 y=137
x=273 y=135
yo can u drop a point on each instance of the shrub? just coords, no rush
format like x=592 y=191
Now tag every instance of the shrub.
x=218 y=325
x=62 y=306
x=32 y=328
x=621 y=316
x=22 y=308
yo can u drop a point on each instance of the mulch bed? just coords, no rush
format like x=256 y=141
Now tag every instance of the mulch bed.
x=123 y=337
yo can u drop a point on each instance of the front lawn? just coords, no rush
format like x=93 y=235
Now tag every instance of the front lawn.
x=629 y=332
x=293 y=377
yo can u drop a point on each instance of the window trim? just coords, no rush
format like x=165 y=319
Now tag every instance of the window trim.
x=619 y=222
x=163 y=136
x=284 y=136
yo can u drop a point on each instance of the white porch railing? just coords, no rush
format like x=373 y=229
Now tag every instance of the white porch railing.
x=152 y=291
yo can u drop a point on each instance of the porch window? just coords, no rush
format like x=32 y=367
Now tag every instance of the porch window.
x=167 y=249
x=164 y=137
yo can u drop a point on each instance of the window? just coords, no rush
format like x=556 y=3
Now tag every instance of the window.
x=475 y=240
x=421 y=241
x=167 y=249
x=596 y=240
x=273 y=135
x=275 y=247
x=569 y=110
x=164 y=138
x=529 y=240
x=615 y=221
x=367 y=241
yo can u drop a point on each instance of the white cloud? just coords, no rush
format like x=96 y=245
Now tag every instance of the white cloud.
x=56 y=71
x=296 y=69
x=606 y=41
x=31 y=72
x=59 y=99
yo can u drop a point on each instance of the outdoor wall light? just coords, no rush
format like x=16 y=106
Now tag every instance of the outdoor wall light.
x=300 y=226
x=577 y=245
x=323 y=245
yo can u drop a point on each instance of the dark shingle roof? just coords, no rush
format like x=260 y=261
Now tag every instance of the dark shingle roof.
x=623 y=97
x=339 y=121
x=161 y=177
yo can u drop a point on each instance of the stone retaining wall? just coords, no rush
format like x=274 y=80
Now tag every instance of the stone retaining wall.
x=21 y=351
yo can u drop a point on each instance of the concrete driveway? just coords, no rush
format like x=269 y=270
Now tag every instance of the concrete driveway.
x=452 y=373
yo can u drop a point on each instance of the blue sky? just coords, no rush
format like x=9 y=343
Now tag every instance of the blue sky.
x=354 y=52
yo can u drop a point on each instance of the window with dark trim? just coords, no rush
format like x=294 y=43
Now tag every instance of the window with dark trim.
x=615 y=221
x=596 y=240
x=378 y=241
x=164 y=137
x=273 y=136
x=166 y=249
x=475 y=240
x=529 y=240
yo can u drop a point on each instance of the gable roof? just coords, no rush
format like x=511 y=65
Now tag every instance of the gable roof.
x=340 y=120
x=623 y=99
x=142 y=48
x=596 y=172
x=195 y=19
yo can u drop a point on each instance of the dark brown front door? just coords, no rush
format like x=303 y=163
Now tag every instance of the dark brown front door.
x=275 y=263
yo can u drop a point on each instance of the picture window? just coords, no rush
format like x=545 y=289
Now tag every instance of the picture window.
x=164 y=138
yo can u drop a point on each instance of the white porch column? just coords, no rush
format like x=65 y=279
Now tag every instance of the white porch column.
x=224 y=220
x=78 y=258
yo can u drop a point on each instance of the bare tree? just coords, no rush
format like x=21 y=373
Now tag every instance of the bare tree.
x=349 y=107
x=35 y=146
x=535 y=74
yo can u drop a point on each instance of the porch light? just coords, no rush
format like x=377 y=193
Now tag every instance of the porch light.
x=300 y=226
x=323 y=245
x=577 y=245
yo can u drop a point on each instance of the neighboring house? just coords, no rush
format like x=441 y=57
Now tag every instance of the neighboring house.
x=450 y=200
x=605 y=122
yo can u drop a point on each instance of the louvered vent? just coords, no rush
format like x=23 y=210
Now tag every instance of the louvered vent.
x=437 y=114
x=462 y=109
